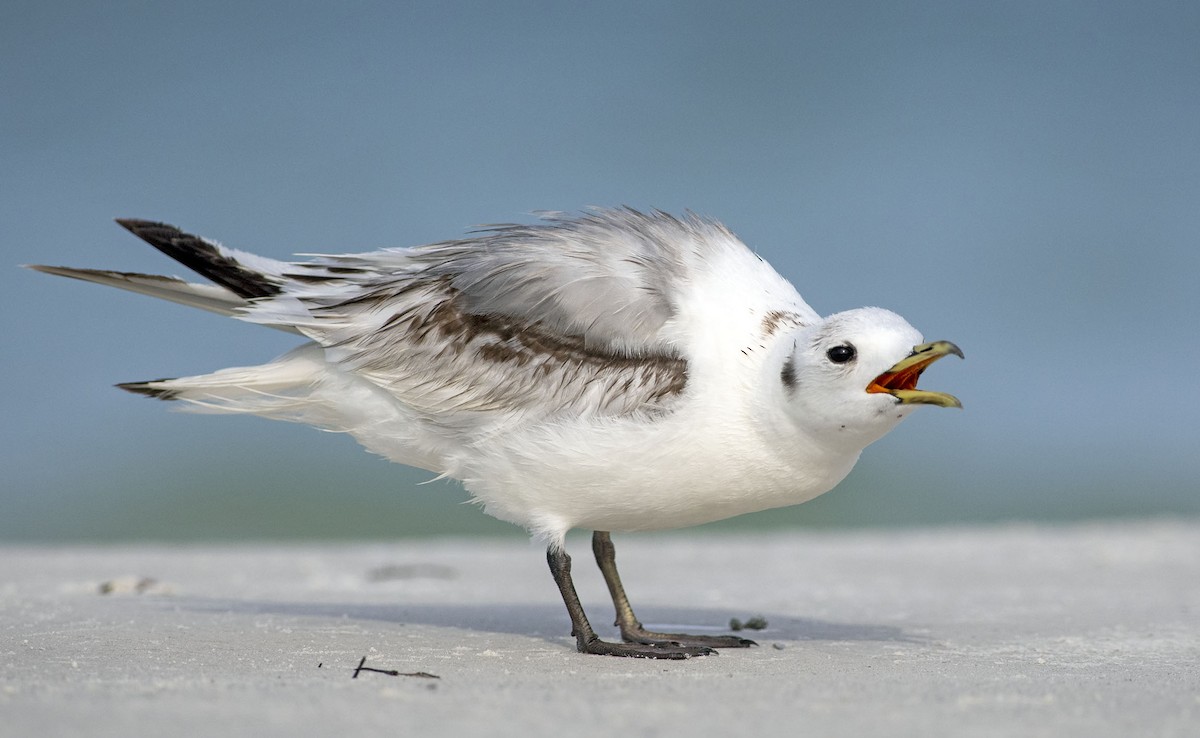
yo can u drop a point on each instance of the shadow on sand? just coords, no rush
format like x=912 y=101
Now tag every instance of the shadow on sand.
x=550 y=621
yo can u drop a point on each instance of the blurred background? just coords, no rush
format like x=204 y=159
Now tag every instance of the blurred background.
x=1022 y=178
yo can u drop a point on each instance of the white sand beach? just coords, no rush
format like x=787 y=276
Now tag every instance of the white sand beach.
x=1088 y=630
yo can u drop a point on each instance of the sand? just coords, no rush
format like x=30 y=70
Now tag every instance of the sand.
x=1088 y=630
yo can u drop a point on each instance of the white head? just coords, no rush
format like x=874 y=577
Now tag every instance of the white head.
x=850 y=378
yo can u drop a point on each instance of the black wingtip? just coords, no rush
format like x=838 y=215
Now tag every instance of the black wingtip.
x=145 y=388
x=150 y=230
x=203 y=257
x=132 y=224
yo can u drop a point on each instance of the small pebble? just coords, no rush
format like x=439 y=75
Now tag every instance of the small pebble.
x=755 y=623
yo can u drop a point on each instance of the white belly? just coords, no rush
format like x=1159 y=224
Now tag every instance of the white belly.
x=649 y=475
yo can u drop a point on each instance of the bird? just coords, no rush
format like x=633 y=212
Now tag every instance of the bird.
x=611 y=370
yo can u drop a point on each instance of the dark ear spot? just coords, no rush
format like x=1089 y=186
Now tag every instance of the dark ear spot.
x=788 y=374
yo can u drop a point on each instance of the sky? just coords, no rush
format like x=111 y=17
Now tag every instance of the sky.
x=1022 y=178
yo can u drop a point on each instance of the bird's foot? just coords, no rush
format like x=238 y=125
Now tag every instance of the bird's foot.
x=640 y=635
x=651 y=650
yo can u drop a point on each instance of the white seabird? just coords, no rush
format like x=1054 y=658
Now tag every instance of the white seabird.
x=613 y=371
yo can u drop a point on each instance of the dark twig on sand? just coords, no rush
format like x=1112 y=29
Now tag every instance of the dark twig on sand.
x=391 y=672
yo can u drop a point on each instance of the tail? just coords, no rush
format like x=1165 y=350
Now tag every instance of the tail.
x=282 y=389
x=240 y=277
x=300 y=386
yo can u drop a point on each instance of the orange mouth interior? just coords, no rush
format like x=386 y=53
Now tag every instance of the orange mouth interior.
x=905 y=379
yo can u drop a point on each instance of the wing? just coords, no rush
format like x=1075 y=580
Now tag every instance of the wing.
x=607 y=314
x=565 y=316
x=204 y=296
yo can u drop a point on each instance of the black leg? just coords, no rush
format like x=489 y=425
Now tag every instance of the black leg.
x=631 y=628
x=586 y=639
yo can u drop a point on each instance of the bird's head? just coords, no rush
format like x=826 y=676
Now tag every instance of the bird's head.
x=853 y=375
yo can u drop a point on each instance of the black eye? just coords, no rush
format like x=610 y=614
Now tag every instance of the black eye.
x=841 y=354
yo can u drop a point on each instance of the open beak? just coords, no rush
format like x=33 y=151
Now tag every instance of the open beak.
x=901 y=380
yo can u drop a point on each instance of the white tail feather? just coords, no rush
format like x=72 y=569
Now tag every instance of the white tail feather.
x=301 y=387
